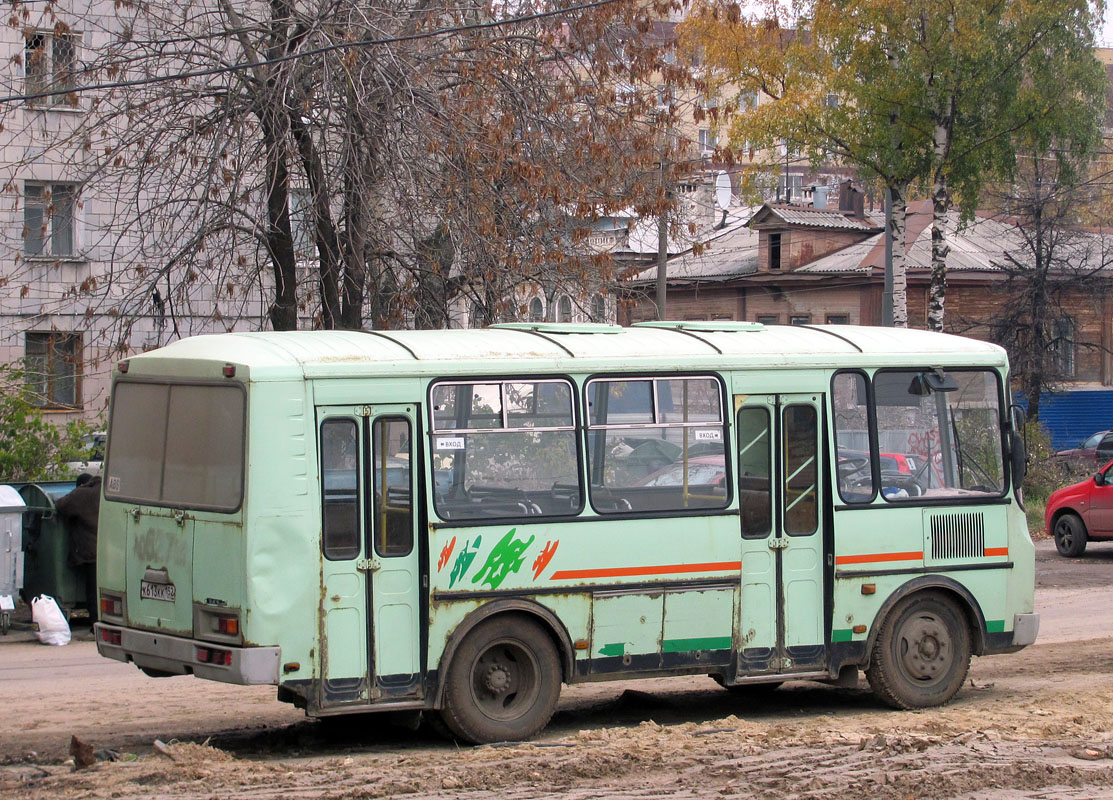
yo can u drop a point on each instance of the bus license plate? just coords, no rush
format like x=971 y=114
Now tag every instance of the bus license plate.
x=157 y=591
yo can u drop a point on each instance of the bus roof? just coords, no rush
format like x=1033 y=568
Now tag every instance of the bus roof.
x=570 y=348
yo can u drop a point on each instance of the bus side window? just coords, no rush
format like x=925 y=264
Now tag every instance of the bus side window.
x=393 y=508
x=850 y=399
x=340 y=488
x=755 y=497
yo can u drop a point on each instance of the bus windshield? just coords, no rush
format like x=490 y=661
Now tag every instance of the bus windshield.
x=177 y=445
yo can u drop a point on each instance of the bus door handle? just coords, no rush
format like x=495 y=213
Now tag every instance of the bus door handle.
x=778 y=543
x=369 y=564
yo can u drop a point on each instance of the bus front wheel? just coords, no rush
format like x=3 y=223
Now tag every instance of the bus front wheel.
x=922 y=653
x=503 y=682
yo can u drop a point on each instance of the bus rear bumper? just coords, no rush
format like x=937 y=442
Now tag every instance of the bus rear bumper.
x=1025 y=629
x=175 y=655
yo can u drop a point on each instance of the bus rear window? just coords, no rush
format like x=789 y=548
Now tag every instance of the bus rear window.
x=176 y=445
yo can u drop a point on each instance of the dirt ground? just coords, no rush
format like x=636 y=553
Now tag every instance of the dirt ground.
x=1038 y=724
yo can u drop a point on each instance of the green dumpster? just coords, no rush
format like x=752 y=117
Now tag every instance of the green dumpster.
x=46 y=547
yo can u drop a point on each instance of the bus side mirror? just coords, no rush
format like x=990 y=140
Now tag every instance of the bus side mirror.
x=1018 y=453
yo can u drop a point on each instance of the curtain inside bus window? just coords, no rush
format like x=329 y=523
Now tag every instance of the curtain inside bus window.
x=850 y=400
x=178 y=445
x=393 y=507
x=755 y=496
x=204 y=447
x=512 y=454
x=939 y=442
x=138 y=436
x=801 y=475
x=340 y=488
x=656 y=445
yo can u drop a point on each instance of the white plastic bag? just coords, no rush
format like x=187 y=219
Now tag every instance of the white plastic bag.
x=50 y=623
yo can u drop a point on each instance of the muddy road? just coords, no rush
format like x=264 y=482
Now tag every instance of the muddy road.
x=1038 y=724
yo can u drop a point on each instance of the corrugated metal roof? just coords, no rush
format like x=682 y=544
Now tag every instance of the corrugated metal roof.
x=729 y=253
x=820 y=218
x=980 y=245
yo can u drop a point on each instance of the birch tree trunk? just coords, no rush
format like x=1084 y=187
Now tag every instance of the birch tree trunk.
x=943 y=135
x=896 y=234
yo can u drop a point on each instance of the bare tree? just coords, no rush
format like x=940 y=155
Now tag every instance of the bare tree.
x=1056 y=273
x=338 y=163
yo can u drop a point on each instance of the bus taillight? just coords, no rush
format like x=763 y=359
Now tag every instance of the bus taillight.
x=110 y=637
x=111 y=605
x=209 y=655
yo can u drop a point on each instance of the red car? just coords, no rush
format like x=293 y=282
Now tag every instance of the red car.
x=1081 y=513
x=1090 y=454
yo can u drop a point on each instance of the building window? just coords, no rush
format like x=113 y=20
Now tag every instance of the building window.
x=747 y=101
x=52 y=363
x=49 y=66
x=799 y=319
x=598 y=308
x=768 y=319
x=774 y=251
x=536 y=310
x=790 y=185
x=564 y=309
x=838 y=319
x=49 y=219
x=708 y=140
x=301 y=221
x=1062 y=346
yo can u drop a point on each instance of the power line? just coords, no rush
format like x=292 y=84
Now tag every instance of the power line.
x=204 y=73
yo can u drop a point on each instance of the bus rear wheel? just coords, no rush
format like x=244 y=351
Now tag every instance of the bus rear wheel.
x=503 y=682
x=922 y=653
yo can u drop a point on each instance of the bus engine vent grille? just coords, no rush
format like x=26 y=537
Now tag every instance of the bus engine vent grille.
x=957 y=536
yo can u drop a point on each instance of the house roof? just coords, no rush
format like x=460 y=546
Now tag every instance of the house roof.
x=726 y=253
x=979 y=245
x=814 y=218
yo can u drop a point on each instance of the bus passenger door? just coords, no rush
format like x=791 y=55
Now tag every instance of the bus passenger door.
x=780 y=498
x=370 y=571
x=344 y=644
x=394 y=554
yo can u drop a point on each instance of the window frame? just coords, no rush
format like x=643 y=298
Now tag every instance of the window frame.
x=47 y=232
x=47 y=80
x=432 y=431
x=1063 y=331
x=875 y=449
x=871 y=436
x=162 y=381
x=378 y=505
x=361 y=510
x=49 y=375
x=724 y=423
x=776 y=243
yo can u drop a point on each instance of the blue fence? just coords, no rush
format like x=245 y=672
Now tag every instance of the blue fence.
x=1069 y=417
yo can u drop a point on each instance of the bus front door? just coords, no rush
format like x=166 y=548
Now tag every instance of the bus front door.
x=780 y=497
x=371 y=592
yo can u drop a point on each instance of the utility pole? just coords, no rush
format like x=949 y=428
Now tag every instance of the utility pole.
x=662 y=253
x=887 y=292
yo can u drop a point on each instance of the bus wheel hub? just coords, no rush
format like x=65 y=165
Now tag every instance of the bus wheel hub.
x=926 y=648
x=498 y=680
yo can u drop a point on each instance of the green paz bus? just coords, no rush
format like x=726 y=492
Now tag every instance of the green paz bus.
x=459 y=522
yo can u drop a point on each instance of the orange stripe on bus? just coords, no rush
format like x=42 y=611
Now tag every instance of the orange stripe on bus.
x=664 y=569
x=874 y=557
x=997 y=551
